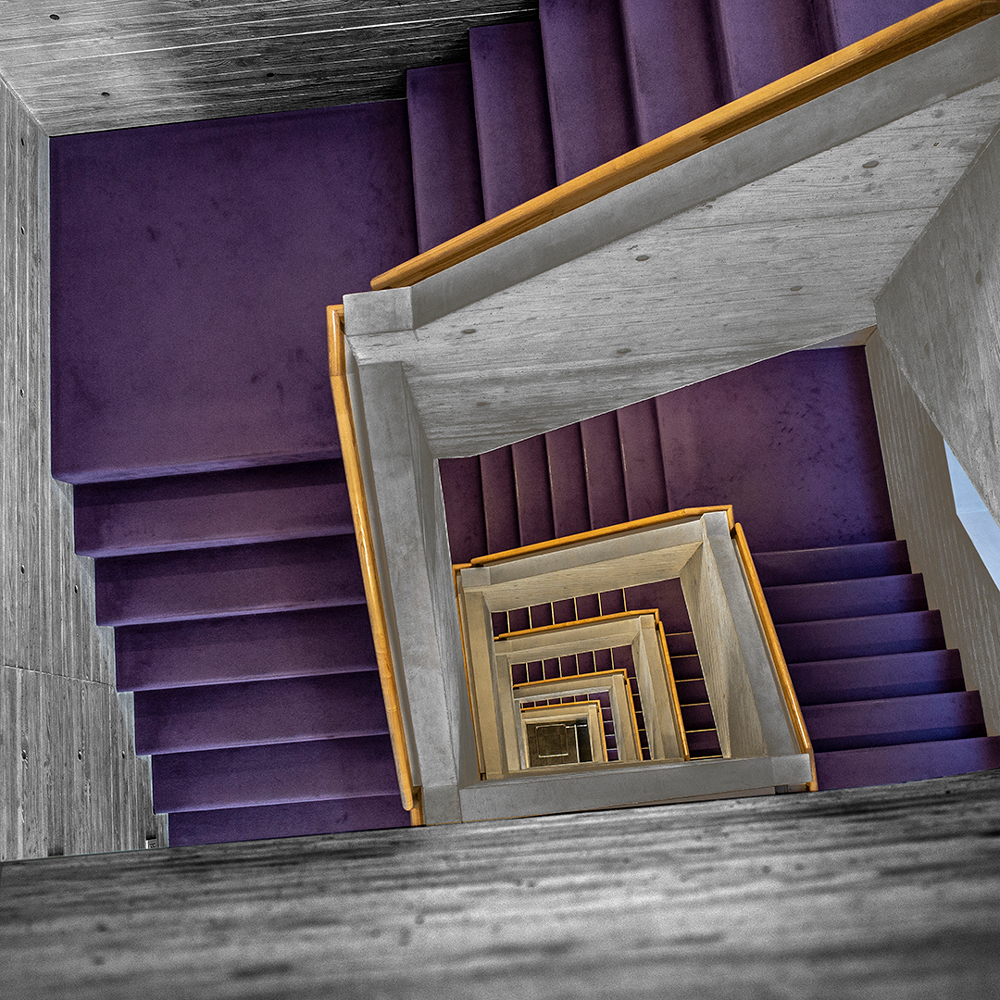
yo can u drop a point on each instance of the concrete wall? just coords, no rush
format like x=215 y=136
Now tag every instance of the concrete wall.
x=69 y=779
x=923 y=509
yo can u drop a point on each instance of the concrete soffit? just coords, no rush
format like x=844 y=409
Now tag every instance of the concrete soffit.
x=775 y=240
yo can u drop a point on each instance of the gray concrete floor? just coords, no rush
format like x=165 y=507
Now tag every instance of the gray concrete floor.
x=881 y=892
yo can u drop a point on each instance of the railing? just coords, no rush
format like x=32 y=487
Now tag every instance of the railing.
x=409 y=793
x=791 y=700
x=821 y=77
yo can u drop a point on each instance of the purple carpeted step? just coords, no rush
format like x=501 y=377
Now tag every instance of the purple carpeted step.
x=605 y=478
x=885 y=721
x=299 y=500
x=512 y=114
x=672 y=63
x=291 y=819
x=462 y=485
x=852 y=20
x=875 y=635
x=685 y=666
x=667 y=597
x=704 y=743
x=697 y=716
x=907 y=762
x=681 y=644
x=239 y=579
x=568 y=481
x=447 y=191
x=334 y=706
x=790 y=442
x=691 y=691
x=272 y=774
x=866 y=677
x=642 y=462
x=191 y=267
x=534 y=498
x=839 y=562
x=874 y=595
x=589 y=100
x=763 y=40
x=499 y=500
x=243 y=648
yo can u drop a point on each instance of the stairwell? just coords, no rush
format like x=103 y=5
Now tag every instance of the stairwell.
x=191 y=410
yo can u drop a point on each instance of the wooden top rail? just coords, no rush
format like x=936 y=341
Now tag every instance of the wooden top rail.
x=821 y=77
x=409 y=793
x=774 y=647
x=588 y=536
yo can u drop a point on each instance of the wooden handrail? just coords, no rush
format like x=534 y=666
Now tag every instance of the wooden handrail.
x=612 y=529
x=818 y=78
x=774 y=647
x=409 y=793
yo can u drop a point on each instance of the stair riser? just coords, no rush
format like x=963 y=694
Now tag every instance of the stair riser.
x=846 y=599
x=846 y=638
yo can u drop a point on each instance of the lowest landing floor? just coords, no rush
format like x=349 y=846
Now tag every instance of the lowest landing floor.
x=874 y=892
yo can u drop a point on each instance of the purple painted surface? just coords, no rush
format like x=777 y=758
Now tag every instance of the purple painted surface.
x=462 y=486
x=273 y=711
x=568 y=481
x=840 y=638
x=842 y=562
x=763 y=40
x=909 y=762
x=512 y=114
x=672 y=62
x=589 y=99
x=890 y=676
x=534 y=499
x=239 y=579
x=301 y=500
x=269 y=775
x=642 y=463
x=244 y=648
x=499 y=500
x=790 y=442
x=605 y=479
x=191 y=267
x=852 y=20
x=874 y=595
x=294 y=819
x=447 y=191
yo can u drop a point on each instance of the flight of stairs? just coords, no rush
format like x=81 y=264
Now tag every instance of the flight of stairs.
x=226 y=563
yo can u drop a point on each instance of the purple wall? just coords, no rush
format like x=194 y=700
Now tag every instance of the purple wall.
x=191 y=265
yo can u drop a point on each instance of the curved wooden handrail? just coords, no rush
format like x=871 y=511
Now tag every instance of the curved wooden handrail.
x=774 y=647
x=611 y=529
x=409 y=793
x=884 y=47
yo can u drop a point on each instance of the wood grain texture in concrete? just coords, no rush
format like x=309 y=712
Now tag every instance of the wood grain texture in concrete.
x=923 y=511
x=869 y=893
x=104 y=64
x=69 y=778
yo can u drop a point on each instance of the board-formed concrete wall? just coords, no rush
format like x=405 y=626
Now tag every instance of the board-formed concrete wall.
x=923 y=510
x=70 y=782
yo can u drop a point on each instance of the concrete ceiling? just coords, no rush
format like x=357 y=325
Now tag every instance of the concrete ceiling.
x=90 y=65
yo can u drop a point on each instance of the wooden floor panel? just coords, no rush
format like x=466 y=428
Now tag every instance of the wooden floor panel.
x=888 y=892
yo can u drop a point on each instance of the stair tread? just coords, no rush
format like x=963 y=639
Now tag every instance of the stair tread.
x=906 y=762
x=512 y=114
x=672 y=63
x=239 y=579
x=447 y=191
x=273 y=774
x=291 y=819
x=866 y=635
x=296 y=500
x=211 y=717
x=829 y=599
x=589 y=101
x=833 y=562
x=865 y=677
